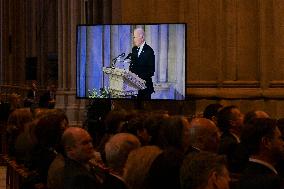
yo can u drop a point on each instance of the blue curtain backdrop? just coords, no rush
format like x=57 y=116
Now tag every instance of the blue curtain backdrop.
x=98 y=45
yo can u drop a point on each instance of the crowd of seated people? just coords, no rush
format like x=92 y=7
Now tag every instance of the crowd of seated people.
x=146 y=150
x=33 y=140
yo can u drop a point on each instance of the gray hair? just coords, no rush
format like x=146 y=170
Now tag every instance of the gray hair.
x=117 y=149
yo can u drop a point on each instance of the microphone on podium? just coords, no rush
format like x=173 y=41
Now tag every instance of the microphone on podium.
x=129 y=56
x=121 y=55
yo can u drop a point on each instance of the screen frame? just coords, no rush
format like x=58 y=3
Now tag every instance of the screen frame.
x=136 y=25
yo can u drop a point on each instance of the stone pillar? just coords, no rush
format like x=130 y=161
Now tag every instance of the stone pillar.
x=70 y=13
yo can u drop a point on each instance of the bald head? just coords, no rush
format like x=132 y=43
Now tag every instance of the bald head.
x=70 y=136
x=204 y=134
x=202 y=122
x=77 y=144
x=261 y=114
x=254 y=114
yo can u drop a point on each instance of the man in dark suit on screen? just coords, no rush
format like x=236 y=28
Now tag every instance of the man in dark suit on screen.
x=143 y=63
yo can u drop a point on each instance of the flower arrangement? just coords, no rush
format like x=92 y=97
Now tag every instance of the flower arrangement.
x=101 y=93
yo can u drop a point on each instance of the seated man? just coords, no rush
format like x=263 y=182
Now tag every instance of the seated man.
x=117 y=149
x=204 y=170
x=203 y=135
x=265 y=145
x=56 y=173
x=78 y=149
x=211 y=112
x=230 y=122
x=253 y=114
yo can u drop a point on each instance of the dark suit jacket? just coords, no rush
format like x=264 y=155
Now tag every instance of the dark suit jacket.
x=31 y=98
x=227 y=143
x=31 y=94
x=144 y=65
x=113 y=182
x=76 y=176
x=45 y=99
x=258 y=176
x=236 y=153
x=164 y=171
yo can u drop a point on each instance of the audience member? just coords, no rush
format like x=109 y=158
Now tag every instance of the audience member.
x=135 y=122
x=15 y=126
x=204 y=170
x=79 y=150
x=117 y=149
x=230 y=122
x=251 y=115
x=48 y=133
x=211 y=112
x=266 y=147
x=174 y=132
x=204 y=135
x=239 y=155
x=148 y=131
x=25 y=144
x=280 y=164
x=165 y=169
x=15 y=102
x=113 y=124
x=55 y=174
x=138 y=164
x=145 y=125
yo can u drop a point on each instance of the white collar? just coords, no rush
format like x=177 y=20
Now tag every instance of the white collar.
x=268 y=165
x=236 y=137
x=140 y=48
x=117 y=176
x=196 y=148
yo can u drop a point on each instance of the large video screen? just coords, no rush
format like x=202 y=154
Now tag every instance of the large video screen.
x=131 y=61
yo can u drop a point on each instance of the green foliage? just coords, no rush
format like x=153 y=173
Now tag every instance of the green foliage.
x=102 y=93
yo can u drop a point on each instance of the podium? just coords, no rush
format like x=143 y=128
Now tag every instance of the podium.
x=123 y=83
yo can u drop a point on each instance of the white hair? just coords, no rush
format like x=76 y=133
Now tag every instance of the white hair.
x=118 y=147
x=140 y=31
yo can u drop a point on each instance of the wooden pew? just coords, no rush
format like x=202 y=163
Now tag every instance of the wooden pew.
x=17 y=174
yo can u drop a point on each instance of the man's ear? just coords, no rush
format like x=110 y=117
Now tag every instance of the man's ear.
x=266 y=142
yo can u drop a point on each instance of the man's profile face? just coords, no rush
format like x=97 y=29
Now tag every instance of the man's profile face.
x=277 y=144
x=138 y=38
x=83 y=148
x=238 y=118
